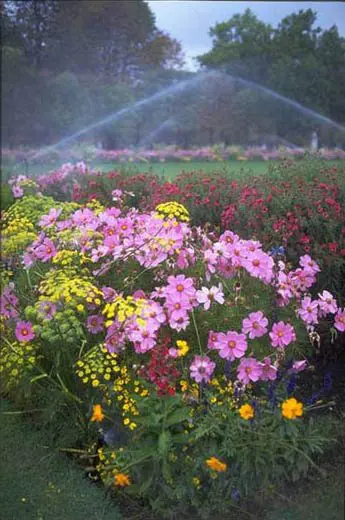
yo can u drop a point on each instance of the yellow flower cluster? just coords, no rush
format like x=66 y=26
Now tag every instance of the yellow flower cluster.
x=95 y=206
x=123 y=308
x=98 y=367
x=172 y=210
x=15 y=361
x=17 y=235
x=183 y=347
x=224 y=390
x=71 y=289
x=124 y=388
x=68 y=258
x=106 y=461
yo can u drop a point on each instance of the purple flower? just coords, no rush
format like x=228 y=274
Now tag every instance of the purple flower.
x=24 y=331
x=95 y=323
x=202 y=368
x=282 y=334
x=49 y=220
x=249 y=370
x=308 y=310
x=17 y=191
x=255 y=325
x=232 y=345
x=269 y=372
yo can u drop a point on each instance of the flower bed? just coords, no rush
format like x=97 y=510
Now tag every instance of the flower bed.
x=180 y=347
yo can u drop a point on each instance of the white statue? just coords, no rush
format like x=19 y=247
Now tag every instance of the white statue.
x=314 y=142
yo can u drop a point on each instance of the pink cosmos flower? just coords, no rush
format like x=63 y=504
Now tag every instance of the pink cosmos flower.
x=49 y=220
x=269 y=372
x=173 y=352
x=308 y=310
x=202 y=369
x=46 y=250
x=249 y=370
x=339 y=321
x=180 y=323
x=214 y=340
x=116 y=195
x=95 y=323
x=298 y=366
x=17 y=192
x=24 y=331
x=47 y=309
x=179 y=287
x=232 y=345
x=115 y=338
x=255 y=325
x=282 y=334
x=207 y=296
x=109 y=294
x=327 y=303
x=8 y=302
x=309 y=264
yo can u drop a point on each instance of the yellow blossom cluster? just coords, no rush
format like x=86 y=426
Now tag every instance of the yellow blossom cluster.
x=68 y=258
x=224 y=392
x=124 y=387
x=16 y=360
x=95 y=206
x=172 y=210
x=73 y=290
x=16 y=236
x=98 y=367
x=124 y=308
x=291 y=408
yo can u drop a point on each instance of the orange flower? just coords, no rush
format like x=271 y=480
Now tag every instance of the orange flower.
x=97 y=415
x=216 y=464
x=291 y=408
x=122 y=480
x=246 y=412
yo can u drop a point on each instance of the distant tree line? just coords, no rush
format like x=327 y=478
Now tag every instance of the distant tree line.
x=67 y=64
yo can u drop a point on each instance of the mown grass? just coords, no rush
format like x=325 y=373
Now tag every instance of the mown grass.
x=168 y=170
x=37 y=482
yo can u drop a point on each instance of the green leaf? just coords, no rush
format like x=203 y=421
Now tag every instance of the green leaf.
x=177 y=416
x=164 y=442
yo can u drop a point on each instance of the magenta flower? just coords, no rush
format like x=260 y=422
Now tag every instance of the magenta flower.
x=255 y=325
x=214 y=340
x=282 y=334
x=47 y=309
x=50 y=219
x=298 y=366
x=232 y=345
x=115 y=338
x=308 y=264
x=17 y=192
x=207 y=296
x=339 y=321
x=24 y=331
x=269 y=372
x=202 y=369
x=179 y=287
x=308 y=310
x=45 y=251
x=95 y=323
x=249 y=370
x=8 y=302
x=327 y=303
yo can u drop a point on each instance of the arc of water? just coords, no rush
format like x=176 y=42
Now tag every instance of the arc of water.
x=172 y=89
x=155 y=132
x=288 y=101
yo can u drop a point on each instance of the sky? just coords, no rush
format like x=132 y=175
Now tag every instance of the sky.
x=189 y=21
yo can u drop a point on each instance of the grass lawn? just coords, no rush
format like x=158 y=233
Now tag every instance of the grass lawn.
x=169 y=170
x=37 y=482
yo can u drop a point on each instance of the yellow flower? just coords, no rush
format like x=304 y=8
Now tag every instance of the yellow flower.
x=291 y=408
x=122 y=480
x=196 y=482
x=183 y=347
x=216 y=464
x=246 y=412
x=97 y=415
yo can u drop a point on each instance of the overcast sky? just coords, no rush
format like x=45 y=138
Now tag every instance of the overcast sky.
x=189 y=21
